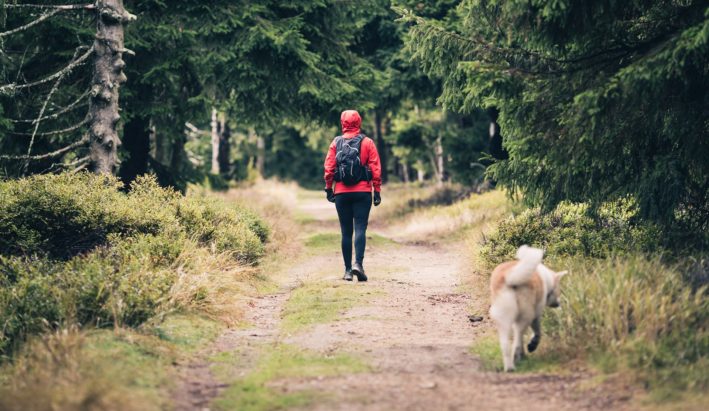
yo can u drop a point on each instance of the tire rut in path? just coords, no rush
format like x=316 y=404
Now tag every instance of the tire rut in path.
x=197 y=386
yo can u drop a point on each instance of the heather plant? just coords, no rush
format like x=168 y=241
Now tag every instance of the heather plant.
x=79 y=251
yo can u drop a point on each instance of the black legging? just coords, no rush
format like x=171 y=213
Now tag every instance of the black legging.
x=353 y=207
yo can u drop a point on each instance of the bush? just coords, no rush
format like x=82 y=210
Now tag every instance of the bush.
x=59 y=216
x=635 y=313
x=571 y=230
x=224 y=228
x=79 y=251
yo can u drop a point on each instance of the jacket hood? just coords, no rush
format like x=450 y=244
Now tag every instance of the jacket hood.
x=351 y=122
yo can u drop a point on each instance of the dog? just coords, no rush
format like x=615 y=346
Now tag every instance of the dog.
x=519 y=292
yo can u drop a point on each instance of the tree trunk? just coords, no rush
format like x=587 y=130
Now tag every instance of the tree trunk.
x=405 y=172
x=440 y=161
x=108 y=75
x=260 y=155
x=420 y=173
x=495 y=142
x=224 y=147
x=136 y=141
x=381 y=144
x=215 y=142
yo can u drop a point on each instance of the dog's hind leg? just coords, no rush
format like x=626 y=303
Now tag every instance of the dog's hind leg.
x=504 y=334
x=537 y=328
x=517 y=330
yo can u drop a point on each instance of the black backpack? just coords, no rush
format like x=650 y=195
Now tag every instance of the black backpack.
x=349 y=170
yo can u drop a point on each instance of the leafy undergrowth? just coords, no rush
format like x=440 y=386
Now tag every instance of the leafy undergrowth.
x=165 y=272
x=321 y=302
x=625 y=310
x=254 y=392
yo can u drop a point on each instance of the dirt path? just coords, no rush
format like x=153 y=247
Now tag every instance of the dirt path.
x=415 y=336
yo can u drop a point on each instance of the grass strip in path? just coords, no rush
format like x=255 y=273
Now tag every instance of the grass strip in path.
x=322 y=302
x=252 y=392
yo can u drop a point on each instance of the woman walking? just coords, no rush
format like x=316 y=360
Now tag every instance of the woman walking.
x=352 y=171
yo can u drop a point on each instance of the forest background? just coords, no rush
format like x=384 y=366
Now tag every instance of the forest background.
x=593 y=114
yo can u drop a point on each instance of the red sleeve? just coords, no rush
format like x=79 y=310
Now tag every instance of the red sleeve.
x=375 y=165
x=330 y=165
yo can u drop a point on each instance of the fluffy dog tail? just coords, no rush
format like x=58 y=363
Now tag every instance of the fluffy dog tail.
x=529 y=258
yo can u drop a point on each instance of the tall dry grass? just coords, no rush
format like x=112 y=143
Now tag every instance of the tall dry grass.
x=634 y=313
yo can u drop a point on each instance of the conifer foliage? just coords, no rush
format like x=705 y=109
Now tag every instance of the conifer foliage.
x=598 y=100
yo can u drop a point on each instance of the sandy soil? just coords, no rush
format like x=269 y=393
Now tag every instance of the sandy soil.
x=415 y=335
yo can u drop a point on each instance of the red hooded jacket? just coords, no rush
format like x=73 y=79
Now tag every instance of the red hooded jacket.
x=351 y=122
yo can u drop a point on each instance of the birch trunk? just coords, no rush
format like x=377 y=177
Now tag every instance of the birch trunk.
x=405 y=172
x=108 y=75
x=440 y=161
x=261 y=155
x=215 y=142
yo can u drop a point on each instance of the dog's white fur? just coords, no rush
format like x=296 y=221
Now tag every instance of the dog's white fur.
x=520 y=290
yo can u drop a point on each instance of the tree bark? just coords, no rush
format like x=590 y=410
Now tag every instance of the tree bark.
x=381 y=144
x=440 y=161
x=107 y=77
x=260 y=155
x=136 y=141
x=405 y=172
x=495 y=142
x=224 y=146
x=215 y=141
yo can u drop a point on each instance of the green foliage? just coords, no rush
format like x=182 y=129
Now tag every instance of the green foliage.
x=571 y=230
x=634 y=313
x=214 y=224
x=598 y=100
x=61 y=216
x=125 y=274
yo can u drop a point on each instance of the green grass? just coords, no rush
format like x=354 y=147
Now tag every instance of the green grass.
x=187 y=331
x=320 y=241
x=322 y=302
x=251 y=393
x=487 y=348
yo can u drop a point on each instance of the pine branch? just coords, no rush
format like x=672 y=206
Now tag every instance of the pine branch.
x=55 y=132
x=33 y=23
x=44 y=107
x=52 y=154
x=60 y=7
x=64 y=110
x=10 y=88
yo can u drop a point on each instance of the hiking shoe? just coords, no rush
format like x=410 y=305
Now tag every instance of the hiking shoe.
x=358 y=270
x=348 y=275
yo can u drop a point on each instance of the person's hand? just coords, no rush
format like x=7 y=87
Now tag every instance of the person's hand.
x=377 y=198
x=330 y=195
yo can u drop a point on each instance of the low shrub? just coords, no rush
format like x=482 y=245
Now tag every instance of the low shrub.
x=224 y=228
x=79 y=251
x=59 y=216
x=634 y=313
x=571 y=230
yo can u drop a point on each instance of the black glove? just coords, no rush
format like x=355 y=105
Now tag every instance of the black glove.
x=377 y=198
x=330 y=195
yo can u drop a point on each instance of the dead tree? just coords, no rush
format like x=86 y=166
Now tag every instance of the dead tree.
x=98 y=126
